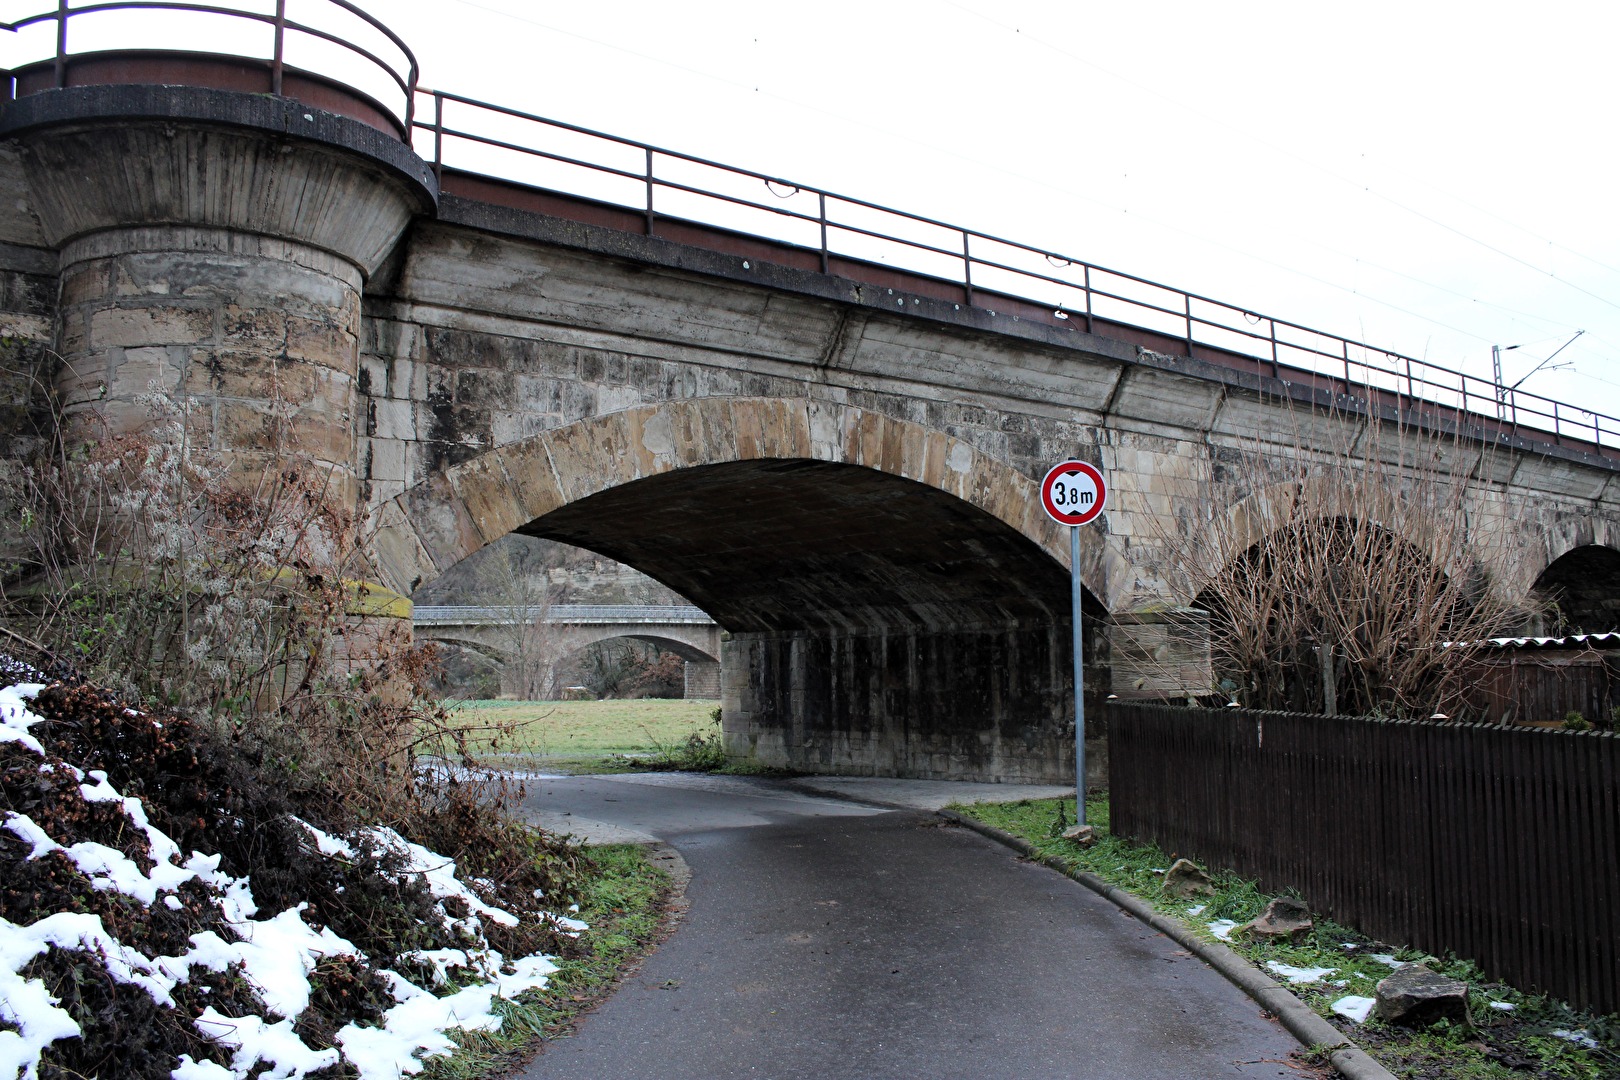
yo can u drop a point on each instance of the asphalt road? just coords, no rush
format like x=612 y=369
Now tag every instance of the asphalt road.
x=831 y=940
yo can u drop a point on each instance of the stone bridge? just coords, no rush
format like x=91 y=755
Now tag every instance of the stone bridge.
x=836 y=458
x=688 y=632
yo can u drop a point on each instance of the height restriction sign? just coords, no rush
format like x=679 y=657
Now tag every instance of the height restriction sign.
x=1074 y=492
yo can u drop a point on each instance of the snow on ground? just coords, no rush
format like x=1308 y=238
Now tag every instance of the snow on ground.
x=1297 y=975
x=1222 y=928
x=1579 y=1038
x=1353 y=1008
x=275 y=954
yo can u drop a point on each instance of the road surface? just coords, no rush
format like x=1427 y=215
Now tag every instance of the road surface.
x=832 y=940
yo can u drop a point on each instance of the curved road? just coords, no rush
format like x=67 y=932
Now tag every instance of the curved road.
x=828 y=939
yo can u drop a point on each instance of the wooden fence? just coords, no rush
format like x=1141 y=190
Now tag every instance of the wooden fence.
x=1499 y=844
x=1541 y=686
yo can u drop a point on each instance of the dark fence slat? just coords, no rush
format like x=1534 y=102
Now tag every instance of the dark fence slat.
x=1495 y=843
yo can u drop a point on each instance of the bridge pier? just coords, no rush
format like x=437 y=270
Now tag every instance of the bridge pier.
x=988 y=704
x=212 y=257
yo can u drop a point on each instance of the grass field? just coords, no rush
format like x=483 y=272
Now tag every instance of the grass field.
x=572 y=730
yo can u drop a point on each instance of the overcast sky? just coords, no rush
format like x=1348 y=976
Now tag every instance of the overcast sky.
x=1432 y=178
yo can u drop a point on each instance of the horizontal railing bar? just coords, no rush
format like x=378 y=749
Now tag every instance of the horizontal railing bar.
x=507 y=614
x=406 y=83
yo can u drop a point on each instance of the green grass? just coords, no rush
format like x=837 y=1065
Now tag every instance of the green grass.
x=624 y=904
x=582 y=730
x=1497 y=1046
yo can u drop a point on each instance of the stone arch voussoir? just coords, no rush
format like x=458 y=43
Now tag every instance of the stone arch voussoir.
x=1263 y=513
x=443 y=519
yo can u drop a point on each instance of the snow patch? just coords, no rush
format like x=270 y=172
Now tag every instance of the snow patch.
x=1579 y=1038
x=1222 y=928
x=1353 y=1008
x=276 y=955
x=1299 y=976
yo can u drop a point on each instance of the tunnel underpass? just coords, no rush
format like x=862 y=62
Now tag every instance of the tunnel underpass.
x=877 y=625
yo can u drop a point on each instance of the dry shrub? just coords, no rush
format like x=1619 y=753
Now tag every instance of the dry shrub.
x=1358 y=560
x=176 y=578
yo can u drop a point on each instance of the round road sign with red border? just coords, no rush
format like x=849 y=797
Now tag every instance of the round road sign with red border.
x=1074 y=492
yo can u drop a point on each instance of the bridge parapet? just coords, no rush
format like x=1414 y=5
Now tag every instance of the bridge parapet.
x=571 y=614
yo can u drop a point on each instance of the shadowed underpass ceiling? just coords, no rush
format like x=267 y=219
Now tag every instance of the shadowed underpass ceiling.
x=803 y=545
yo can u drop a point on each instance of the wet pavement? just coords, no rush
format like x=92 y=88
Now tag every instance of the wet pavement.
x=828 y=938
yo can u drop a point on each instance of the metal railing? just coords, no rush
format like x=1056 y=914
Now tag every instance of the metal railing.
x=840 y=234
x=985 y=267
x=572 y=614
x=280 y=27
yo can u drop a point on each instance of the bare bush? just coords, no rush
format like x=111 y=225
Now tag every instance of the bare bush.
x=241 y=600
x=1356 y=579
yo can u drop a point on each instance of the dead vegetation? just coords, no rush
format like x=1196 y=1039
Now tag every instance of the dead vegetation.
x=1359 y=579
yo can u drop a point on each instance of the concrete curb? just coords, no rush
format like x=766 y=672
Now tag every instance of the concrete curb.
x=1300 y=1019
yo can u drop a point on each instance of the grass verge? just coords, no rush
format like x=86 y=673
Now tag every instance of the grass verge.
x=580 y=729
x=1498 y=1044
x=625 y=902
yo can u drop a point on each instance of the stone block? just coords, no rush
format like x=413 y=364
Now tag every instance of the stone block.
x=251 y=375
x=387 y=460
x=152 y=324
x=394 y=418
x=485 y=491
x=328 y=343
x=441 y=522
x=528 y=467
x=138 y=371
x=402 y=558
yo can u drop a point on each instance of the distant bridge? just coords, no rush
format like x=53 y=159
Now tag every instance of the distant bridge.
x=685 y=630
x=426 y=615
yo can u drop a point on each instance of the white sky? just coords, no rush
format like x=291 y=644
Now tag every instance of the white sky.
x=1429 y=177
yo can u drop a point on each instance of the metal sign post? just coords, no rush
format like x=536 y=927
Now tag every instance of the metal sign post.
x=1073 y=494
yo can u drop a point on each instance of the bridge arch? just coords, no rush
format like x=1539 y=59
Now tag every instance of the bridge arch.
x=1583 y=586
x=897 y=600
x=1247 y=524
x=440 y=521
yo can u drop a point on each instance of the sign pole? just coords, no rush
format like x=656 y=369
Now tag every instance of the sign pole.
x=1079 y=682
x=1074 y=494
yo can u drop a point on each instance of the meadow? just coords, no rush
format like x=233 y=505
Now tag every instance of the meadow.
x=558 y=731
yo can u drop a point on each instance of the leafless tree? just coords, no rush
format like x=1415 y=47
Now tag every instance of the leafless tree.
x=523 y=596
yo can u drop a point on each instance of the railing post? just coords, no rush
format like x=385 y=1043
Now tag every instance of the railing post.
x=967 y=268
x=1345 y=349
x=61 y=43
x=1274 y=365
x=1087 y=278
x=821 y=202
x=438 y=139
x=649 y=191
x=410 y=101
x=1186 y=306
x=278 y=53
